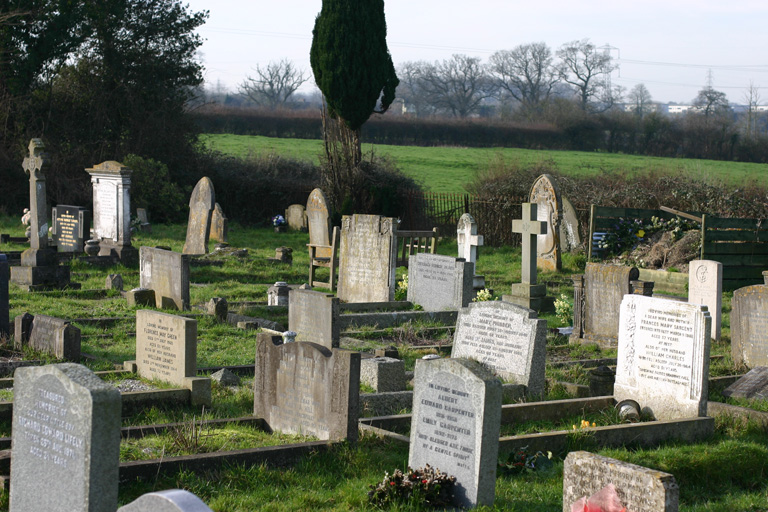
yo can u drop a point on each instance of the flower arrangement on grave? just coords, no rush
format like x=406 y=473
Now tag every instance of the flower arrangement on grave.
x=278 y=220
x=401 y=292
x=426 y=485
x=564 y=309
x=521 y=461
x=605 y=500
x=584 y=424
x=627 y=233
x=483 y=295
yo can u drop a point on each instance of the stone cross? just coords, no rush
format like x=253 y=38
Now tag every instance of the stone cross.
x=467 y=237
x=38 y=203
x=529 y=228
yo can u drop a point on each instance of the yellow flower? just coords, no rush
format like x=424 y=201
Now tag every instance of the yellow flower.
x=593 y=424
x=641 y=233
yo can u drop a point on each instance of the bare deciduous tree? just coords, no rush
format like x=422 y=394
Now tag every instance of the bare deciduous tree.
x=752 y=100
x=526 y=73
x=274 y=84
x=411 y=89
x=640 y=99
x=585 y=68
x=457 y=85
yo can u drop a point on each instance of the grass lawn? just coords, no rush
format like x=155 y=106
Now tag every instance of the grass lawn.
x=448 y=169
x=726 y=472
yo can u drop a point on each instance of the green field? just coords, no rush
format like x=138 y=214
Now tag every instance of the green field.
x=448 y=169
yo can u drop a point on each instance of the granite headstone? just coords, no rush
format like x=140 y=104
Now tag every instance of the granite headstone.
x=367 y=258
x=71 y=228
x=749 y=326
x=468 y=241
x=201 y=205
x=705 y=286
x=754 y=384
x=314 y=317
x=49 y=335
x=437 y=282
x=167 y=274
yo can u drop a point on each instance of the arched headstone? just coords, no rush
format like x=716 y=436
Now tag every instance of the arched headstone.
x=201 y=205
x=546 y=195
x=318 y=218
x=569 y=229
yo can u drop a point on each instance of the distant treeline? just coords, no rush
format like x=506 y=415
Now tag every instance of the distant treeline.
x=655 y=134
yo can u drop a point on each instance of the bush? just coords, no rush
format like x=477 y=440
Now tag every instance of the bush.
x=153 y=190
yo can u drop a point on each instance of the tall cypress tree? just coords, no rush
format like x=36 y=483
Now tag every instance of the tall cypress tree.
x=352 y=65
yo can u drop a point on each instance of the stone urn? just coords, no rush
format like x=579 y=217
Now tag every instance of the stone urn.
x=92 y=247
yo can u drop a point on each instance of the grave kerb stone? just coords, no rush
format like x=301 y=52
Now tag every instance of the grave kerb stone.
x=437 y=282
x=66 y=440
x=705 y=286
x=455 y=425
x=663 y=356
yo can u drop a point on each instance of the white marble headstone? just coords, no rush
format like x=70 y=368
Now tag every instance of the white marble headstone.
x=705 y=286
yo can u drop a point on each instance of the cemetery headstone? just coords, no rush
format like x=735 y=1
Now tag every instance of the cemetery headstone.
x=167 y=274
x=201 y=206
x=49 y=335
x=112 y=210
x=66 y=440
x=114 y=282
x=639 y=489
x=663 y=356
x=570 y=239
x=705 y=286
x=549 y=209
x=71 y=228
x=5 y=275
x=367 y=258
x=383 y=374
x=527 y=293
x=749 y=326
x=468 y=241
x=455 y=426
x=598 y=307
x=219 y=225
x=437 y=282
x=144 y=224
x=296 y=217
x=174 y=500
x=39 y=269
x=318 y=219
x=507 y=338
x=314 y=317
x=166 y=350
x=754 y=384
x=304 y=388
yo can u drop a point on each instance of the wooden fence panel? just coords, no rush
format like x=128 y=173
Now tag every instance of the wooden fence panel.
x=741 y=245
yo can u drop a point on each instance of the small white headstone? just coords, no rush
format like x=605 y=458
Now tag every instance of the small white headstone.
x=705 y=286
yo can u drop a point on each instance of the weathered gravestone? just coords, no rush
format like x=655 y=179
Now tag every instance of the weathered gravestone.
x=71 y=228
x=144 y=224
x=318 y=219
x=304 y=388
x=66 y=440
x=219 y=225
x=663 y=356
x=201 y=206
x=749 y=326
x=549 y=209
x=166 y=350
x=437 y=282
x=367 y=258
x=705 y=286
x=313 y=316
x=174 y=500
x=597 y=300
x=49 y=335
x=507 y=338
x=39 y=269
x=570 y=240
x=754 y=384
x=639 y=489
x=167 y=274
x=527 y=293
x=5 y=327
x=468 y=241
x=112 y=210
x=455 y=426
x=296 y=217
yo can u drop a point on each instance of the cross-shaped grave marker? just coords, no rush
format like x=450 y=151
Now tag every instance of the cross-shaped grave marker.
x=529 y=227
x=468 y=239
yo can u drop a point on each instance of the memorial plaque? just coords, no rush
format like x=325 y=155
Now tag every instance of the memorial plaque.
x=167 y=274
x=546 y=195
x=639 y=489
x=367 y=258
x=437 y=282
x=663 y=357
x=304 y=388
x=455 y=426
x=314 y=316
x=507 y=338
x=166 y=347
x=749 y=326
x=752 y=385
x=705 y=286
x=71 y=228
x=66 y=440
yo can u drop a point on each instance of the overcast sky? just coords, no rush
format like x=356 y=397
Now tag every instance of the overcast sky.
x=668 y=45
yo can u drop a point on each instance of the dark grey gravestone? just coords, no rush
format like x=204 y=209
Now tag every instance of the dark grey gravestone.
x=305 y=388
x=314 y=317
x=507 y=338
x=49 y=335
x=174 y=500
x=437 y=282
x=455 y=425
x=5 y=319
x=113 y=282
x=201 y=205
x=66 y=441
x=21 y=327
x=752 y=385
x=167 y=273
x=71 y=228
x=749 y=326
